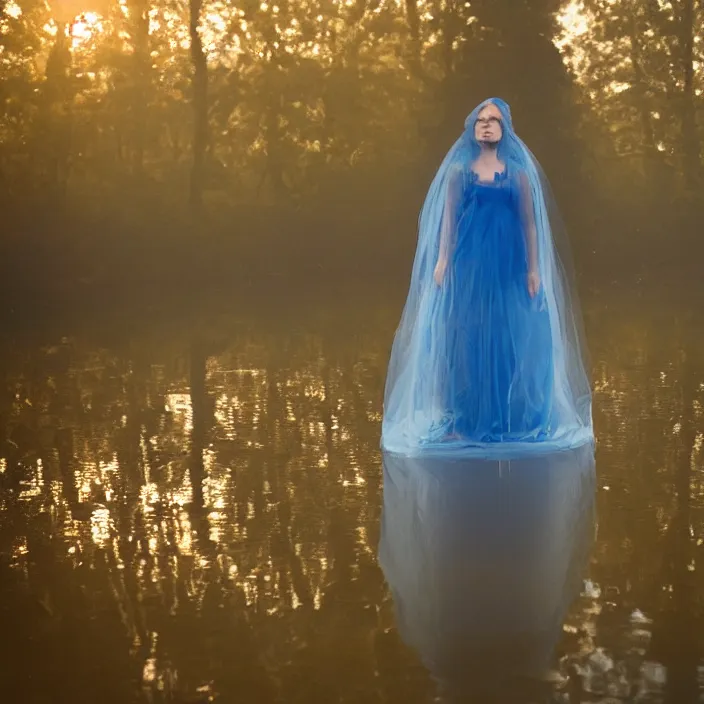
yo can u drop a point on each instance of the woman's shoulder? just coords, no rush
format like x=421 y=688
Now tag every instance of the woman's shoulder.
x=514 y=176
x=457 y=171
x=456 y=177
x=517 y=172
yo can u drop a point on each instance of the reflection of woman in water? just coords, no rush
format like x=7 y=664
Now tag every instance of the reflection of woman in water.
x=483 y=559
x=487 y=357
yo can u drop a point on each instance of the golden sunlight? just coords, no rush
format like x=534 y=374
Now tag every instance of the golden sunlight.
x=574 y=21
x=13 y=10
x=65 y=11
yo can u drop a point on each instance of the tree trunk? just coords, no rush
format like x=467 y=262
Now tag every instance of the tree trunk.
x=275 y=162
x=200 y=107
x=140 y=8
x=690 y=139
x=413 y=18
x=449 y=34
x=58 y=106
x=652 y=159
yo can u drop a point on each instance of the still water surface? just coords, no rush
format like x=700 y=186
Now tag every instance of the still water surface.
x=192 y=511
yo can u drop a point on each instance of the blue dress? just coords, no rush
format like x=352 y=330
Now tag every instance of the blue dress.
x=499 y=378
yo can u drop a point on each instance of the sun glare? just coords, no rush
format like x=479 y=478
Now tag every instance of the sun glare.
x=85 y=27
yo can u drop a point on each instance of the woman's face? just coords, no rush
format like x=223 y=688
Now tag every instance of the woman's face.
x=488 y=126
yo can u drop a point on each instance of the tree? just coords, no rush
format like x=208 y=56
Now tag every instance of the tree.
x=199 y=87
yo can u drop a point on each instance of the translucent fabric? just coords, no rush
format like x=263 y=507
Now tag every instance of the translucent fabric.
x=484 y=557
x=479 y=366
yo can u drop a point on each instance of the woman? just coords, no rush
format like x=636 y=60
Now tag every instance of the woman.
x=487 y=359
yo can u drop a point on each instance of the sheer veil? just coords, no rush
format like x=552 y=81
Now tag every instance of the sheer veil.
x=417 y=368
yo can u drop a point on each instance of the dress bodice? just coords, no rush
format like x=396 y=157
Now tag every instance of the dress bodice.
x=502 y=188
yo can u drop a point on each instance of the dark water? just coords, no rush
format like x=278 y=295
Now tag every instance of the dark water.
x=190 y=511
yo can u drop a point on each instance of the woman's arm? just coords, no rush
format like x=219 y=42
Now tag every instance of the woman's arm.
x=531 y=235
x=528 y=215
x=449 y=217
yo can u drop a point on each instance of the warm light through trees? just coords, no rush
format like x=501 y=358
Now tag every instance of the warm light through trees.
x=96 y=95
